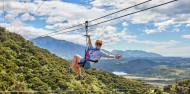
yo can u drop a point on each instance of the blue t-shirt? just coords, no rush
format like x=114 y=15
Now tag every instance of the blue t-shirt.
x=96 y=54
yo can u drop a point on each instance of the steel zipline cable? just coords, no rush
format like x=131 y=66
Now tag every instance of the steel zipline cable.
x=133 y=13
x=95 y=19
x=121 y=10
x=117 y=17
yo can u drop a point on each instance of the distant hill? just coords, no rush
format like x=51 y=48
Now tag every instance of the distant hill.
x=26 y=67
x=135 y=53
x=130 y=67
x=67 y=49
x=61 y=48
x=180 y=69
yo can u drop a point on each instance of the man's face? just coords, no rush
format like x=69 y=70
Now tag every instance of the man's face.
x=98 y=45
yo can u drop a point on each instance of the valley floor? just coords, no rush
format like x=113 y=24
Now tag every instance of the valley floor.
x=160 y=82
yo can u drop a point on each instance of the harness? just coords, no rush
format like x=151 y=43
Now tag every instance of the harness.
x=88 y=49
x=87 y=56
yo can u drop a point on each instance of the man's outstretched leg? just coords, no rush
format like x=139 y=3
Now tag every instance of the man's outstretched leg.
x=78 y=70
x=76 y=60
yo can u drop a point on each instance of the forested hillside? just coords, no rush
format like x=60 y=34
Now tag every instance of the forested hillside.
x=26 y=67
x=180 y=87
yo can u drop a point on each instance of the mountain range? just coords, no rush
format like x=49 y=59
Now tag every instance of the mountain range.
x=135 y=53
x=62 y=48
x=66 y=49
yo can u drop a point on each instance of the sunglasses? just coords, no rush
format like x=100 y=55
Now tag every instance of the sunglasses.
x=99 y=44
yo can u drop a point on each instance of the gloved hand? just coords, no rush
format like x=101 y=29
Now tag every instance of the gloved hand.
x=117 y=56
x=88 y=36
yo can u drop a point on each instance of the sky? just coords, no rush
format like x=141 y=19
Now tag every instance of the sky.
x=164 y=30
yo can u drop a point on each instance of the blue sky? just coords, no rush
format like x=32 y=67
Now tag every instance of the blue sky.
x=164 y=30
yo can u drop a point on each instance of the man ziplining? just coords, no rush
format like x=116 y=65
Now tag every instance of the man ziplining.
x=92 y=55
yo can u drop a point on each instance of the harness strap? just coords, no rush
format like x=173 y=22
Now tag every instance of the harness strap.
x=95 y=61
x=83 y=63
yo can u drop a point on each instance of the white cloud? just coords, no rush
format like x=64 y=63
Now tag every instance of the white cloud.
x=124 y=24
x=54 y=15
x=10 y=17
x=163 y=17
x=146 y=17
x=160 y=27
x=186 y=36
x=173 y=22
x=74 y=13
x=13 y=6
x=26 y=16
x=166 y=48
x=110 y=34
x=171 y=51
x=188 y=25
x=79 y=39
x=156 y=44
x=175 y=30
x=99 y=3
x=26 y=31
x=150 y=31
x=52 y=20
x=70 y=12
x=164 y=24
x=54 y=12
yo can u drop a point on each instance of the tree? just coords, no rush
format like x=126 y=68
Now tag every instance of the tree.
x=36 y=84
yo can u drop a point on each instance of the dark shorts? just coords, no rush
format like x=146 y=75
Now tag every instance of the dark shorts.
x=87 y=64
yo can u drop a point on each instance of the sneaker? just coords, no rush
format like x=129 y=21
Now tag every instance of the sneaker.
x=70 y=70
x=80 y=77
